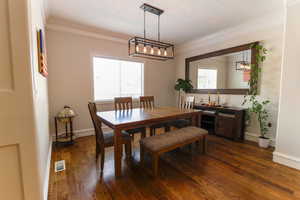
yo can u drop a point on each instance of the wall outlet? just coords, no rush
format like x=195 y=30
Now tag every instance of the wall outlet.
x=60 y=166
x=270 y=124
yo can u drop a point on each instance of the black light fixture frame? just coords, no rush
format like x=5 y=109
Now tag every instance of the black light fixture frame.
x=135 y=42
x=244 y=62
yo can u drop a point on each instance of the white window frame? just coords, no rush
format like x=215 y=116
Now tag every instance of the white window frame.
x=110 y=101
x=208 y=68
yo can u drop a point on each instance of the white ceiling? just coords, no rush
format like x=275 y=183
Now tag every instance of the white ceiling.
x=182 y=21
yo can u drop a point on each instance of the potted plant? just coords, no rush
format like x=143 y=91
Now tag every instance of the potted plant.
x=183 y=85
x=259 y=109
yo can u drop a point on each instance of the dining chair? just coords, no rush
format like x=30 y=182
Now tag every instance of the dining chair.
x=106 y=140
x=147 y=102
x=125 y=104
x=185 y=103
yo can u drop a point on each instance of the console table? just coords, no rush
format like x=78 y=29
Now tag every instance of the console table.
x=227 y=122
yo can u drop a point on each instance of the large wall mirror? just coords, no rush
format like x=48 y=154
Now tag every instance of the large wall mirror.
x=226 y=71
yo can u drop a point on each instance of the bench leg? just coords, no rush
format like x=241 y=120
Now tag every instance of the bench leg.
x=167 y=128
x=191 y=148
x=204 y=141
x=128 y=150
x=152 y=131
x=142 y=154
x=143 y=133
x=155 y=160
x=198 y=146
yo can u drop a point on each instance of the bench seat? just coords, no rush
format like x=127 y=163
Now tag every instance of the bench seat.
x=169 y=141
x=165 y=141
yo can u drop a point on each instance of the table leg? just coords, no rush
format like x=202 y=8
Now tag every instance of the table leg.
x=56 y=135
x=71 y=129
x=199 y=120
x=194 y=120
x=66 y=129
x=118 y=152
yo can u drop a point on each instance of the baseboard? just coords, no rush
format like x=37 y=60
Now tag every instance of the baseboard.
x=287 y=160
x=84 y=132
x=254 y=138
x=90 y=131
x=46 y=182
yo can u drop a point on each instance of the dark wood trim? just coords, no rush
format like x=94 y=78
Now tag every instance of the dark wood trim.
x=220 y=91
x=219 y=53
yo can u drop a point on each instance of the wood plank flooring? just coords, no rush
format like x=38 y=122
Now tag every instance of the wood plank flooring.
x=229 y=171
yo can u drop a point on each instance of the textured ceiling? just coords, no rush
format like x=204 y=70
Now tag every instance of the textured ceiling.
x=182 y=21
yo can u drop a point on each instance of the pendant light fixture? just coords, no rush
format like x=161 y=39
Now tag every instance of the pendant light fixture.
x=244 y=64
x=151 y=49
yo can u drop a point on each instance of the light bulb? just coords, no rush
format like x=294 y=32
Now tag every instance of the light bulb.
x=137 y=48
x=145 y=49
x=159 y=52
x=152 y=50
x=165 y=52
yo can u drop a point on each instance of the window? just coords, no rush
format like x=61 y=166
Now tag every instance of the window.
x=207 y=78
x=117 y=78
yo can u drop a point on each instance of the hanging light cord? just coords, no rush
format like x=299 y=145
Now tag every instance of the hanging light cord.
x=158 y=28
x=144 y=23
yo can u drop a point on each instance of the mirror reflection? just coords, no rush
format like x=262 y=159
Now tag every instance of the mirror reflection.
x=230 y=71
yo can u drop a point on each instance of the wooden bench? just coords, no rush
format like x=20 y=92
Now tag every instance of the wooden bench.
x=156 y=145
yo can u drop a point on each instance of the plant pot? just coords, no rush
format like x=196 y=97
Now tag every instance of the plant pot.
x=263 y=142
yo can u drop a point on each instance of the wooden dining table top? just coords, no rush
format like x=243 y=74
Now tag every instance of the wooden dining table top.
x=140 y=115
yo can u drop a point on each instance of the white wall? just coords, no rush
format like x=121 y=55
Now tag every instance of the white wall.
x=268 y=30
x=288 y=139
x=40 y=97
x=24 y=144
x=70 y=54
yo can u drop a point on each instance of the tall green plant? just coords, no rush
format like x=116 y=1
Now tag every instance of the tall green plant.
x=257 y=107
x=183 y=85
x=262 y=114
x=260 y=57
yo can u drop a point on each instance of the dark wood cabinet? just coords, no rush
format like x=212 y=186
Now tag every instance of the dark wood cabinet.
x=227 y=122
x=225 y=125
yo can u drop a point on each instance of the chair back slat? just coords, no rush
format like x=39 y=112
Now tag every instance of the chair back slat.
x=187 y=102
x=123 y=103
x=147 y=102
x=96 y=122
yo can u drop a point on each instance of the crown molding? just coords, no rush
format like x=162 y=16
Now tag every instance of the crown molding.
x=85 y=33
x=263 y=23
x=292 y=2
x=45 y=10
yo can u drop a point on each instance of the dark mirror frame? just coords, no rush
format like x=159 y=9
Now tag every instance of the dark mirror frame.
x=220 y=53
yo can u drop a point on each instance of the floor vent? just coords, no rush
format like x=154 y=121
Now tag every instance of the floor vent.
x=60 y=166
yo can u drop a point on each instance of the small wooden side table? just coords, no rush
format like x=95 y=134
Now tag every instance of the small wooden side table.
x=67 y=138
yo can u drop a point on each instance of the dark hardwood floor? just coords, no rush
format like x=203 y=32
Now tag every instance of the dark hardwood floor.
x=228 y=171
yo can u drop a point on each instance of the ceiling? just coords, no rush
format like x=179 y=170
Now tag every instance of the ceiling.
x=183 y=20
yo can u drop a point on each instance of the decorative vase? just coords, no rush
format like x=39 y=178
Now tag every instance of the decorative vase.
x=263 y=142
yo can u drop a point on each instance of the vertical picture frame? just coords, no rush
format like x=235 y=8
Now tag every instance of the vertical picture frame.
x=42 y=57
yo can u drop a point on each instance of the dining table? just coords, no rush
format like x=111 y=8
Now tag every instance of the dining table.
x=122 y=120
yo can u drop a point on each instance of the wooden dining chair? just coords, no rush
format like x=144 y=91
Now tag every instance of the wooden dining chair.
x=147 y=102
x=106 y=140
x=125 y=104
x=185 y=103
